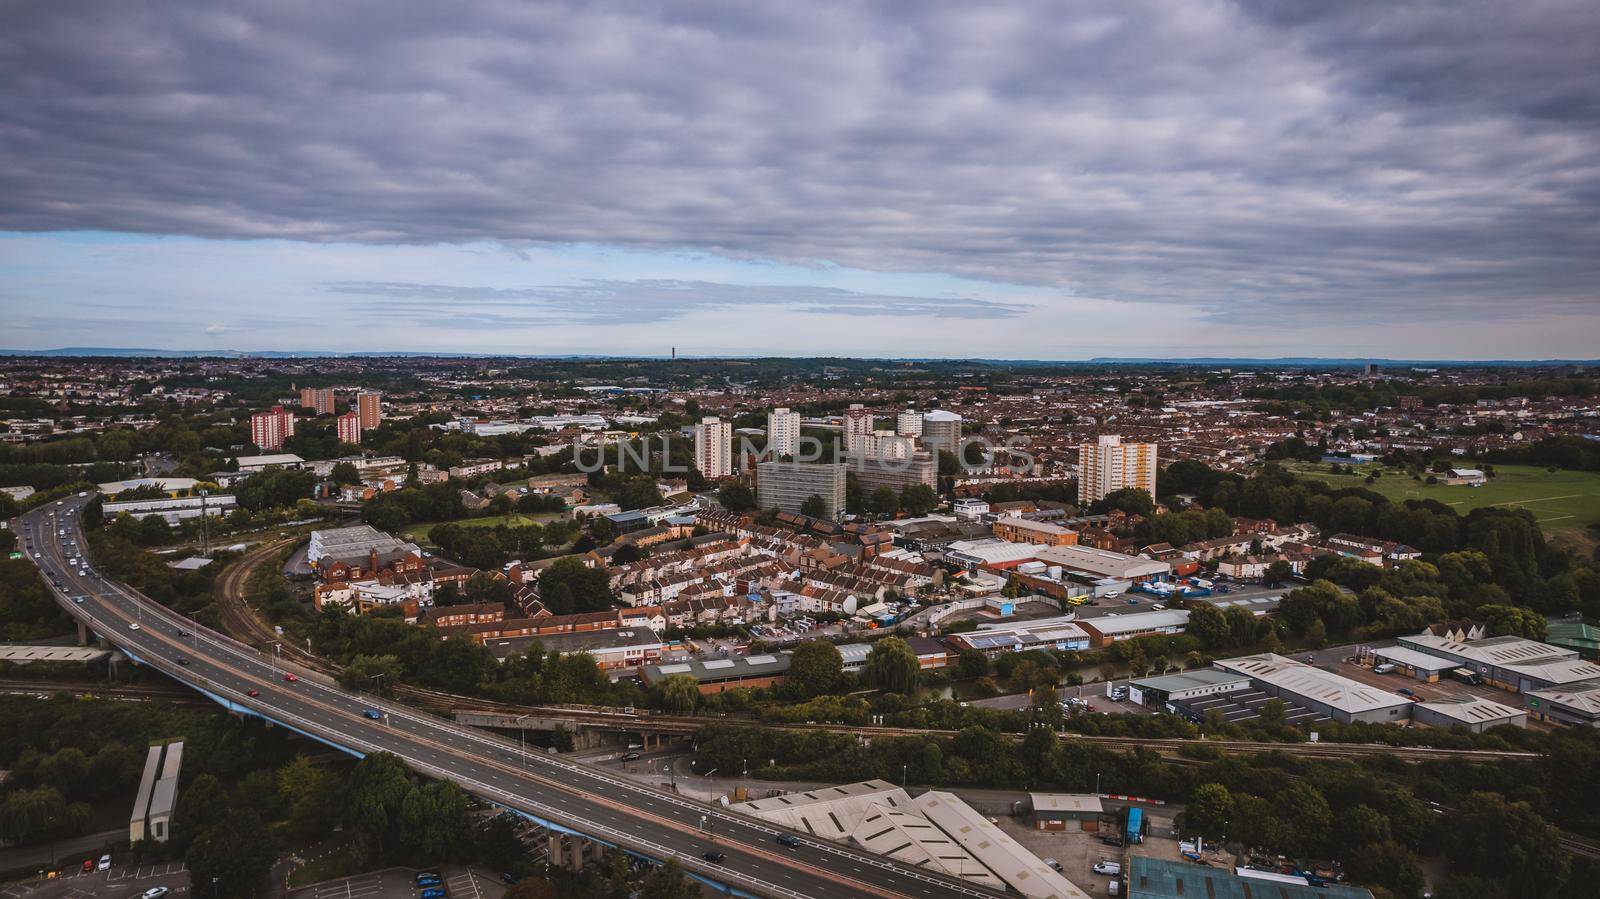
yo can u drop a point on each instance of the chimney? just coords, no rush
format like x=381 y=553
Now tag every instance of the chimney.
x=372 y=562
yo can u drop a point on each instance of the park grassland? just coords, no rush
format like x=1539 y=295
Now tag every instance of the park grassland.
x=1561 y=501
x=418 y=533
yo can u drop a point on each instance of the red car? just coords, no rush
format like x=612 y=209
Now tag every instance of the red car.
x=253 y=693
x=290 y=678
x=88 y=866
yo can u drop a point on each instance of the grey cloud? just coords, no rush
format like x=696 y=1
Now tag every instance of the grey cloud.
x=1315 y=160
x=596 y=302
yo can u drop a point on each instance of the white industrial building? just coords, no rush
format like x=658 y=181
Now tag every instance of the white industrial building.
x=1324 y=692
x=936 y=831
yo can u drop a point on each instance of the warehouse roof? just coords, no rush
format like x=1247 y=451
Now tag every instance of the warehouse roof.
x=1411 y=658
x=1314 y=684
x=1020 y=869
x=1189 y=680
x=1160 y=878
x=1101 y=562
x=1069 y=803
x=831 y=812
x=1472 y=711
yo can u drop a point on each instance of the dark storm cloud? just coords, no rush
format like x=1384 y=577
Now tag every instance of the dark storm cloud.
x=641 y=302
x=1323 y=159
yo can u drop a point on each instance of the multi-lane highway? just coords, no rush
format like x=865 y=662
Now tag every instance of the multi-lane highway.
x=587 y=800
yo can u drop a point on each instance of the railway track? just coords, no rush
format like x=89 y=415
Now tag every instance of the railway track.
x=239 y=619
x=128 y=692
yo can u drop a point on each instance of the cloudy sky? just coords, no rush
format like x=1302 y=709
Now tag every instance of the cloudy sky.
x=1400 y=179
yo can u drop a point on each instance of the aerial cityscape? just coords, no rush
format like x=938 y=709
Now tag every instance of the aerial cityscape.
x=656 y=451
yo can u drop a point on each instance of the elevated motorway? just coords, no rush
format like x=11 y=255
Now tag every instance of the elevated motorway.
x=559 y=793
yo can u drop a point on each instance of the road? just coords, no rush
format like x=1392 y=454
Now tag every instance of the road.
x=600 y=804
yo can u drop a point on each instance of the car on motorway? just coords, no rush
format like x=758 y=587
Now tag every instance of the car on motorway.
x=133 y=626
x=182 y=632
x=1107 y=866
x=183 y=661
x=78 y=600
x=290 y=678
x=785 y=839
x=630 y=756
x=374 y=714
x=154 y=893
x=714 y=857
x=104 y=864
x=252 y=693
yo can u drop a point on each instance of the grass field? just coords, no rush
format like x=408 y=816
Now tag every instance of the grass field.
x=1560 y=500
x=418 y=533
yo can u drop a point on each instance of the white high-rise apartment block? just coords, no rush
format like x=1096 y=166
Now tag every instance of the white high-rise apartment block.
x=908 y=423
x=1109 y=465
x=713 y=450
x=857 y=425
x=941 y=431
x=783 y=432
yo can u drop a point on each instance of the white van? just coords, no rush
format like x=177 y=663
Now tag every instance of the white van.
x=1385 y=668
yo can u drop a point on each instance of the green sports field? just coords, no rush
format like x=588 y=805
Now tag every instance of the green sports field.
x=1560 y=500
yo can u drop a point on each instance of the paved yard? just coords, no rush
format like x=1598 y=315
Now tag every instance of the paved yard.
x=401 y=883
x=120 y=881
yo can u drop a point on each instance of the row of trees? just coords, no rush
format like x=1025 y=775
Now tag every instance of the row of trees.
x=490 y=548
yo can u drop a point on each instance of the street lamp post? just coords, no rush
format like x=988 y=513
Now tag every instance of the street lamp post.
x=522 y=740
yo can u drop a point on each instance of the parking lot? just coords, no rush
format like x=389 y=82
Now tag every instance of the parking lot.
x=1077 y=851
x=120 y=881
x=401 y=883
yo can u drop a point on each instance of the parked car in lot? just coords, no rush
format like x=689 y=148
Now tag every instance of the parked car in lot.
x=1405 y=691
x=88 y=865
x=434 y=893
x=429 y=879
x=1054 y=865
x=104 y=864
x=154 y=893
x=1107 y=866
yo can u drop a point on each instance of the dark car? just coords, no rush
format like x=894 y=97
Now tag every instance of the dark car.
x=88 y=865
x=428 y=879
x=789 y=840
x=714 y=857
x=1405 y=691
x=182 y=632
x=630 y=756
x=434 y=893
x=508 y=878
x=375 y=715
x=182 y=660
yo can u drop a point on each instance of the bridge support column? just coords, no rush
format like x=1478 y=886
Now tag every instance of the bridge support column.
x=83 y=634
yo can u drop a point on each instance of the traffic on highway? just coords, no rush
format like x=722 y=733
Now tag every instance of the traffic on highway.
x=715 y=844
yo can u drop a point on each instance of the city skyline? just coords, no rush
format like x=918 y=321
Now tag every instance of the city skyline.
x=1395 y=181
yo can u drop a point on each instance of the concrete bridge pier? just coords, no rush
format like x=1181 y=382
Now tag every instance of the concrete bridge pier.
x=569 y=851
x=83 y=634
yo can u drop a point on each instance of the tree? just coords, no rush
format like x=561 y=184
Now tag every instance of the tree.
x=346 y=474
x=736 y=497
x=40 y=813
x=1279 y=572
x=1208 y=812
x=971 y=664
x=679 y=693
x=814 y=669
x=569 y=586
x=1491 y=837
x=885 y=501
x=1133 y=500
x=310 y=792
x=814 y=506
x=918 y=499
x=232 y=856
x=1505 y=619
x=1208 y=625
x=893 y=666
x=374 y=674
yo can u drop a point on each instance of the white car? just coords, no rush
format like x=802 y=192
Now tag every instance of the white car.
x=154 y=893
x=1107 y=866
x=105 y=863
x=134 y=626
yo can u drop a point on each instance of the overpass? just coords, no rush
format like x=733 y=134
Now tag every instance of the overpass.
x=562 y=795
